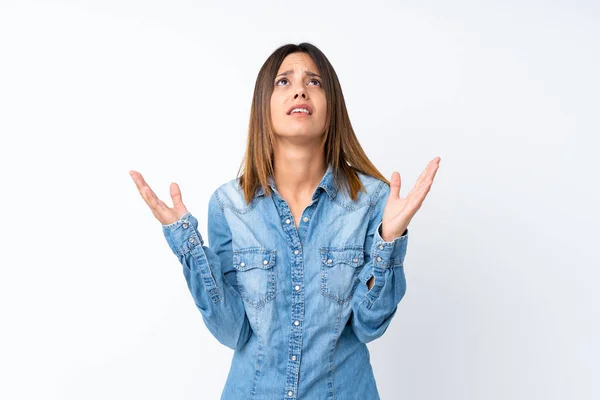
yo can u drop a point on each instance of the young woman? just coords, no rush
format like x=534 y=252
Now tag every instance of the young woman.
x=304 y=264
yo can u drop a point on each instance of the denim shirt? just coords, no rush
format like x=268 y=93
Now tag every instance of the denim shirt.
x=293 y=302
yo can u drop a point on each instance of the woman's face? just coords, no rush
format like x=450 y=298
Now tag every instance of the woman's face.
x=298 y=81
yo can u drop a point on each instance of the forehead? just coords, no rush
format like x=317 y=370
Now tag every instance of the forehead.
x=300 y=61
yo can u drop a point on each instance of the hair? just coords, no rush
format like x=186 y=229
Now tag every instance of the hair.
x=341 y=147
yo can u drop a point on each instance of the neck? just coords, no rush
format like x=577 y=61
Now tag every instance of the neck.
x=298 y=171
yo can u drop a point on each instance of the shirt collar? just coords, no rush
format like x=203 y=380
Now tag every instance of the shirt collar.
x=326 y=184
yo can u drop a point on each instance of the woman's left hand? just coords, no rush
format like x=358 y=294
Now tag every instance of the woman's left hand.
x=399 y=212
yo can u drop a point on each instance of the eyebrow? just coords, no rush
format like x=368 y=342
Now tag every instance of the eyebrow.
x=309 y=73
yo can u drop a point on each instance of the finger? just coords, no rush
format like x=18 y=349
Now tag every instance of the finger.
x=136 y=176
x=395 y=186
x=141 y=185
x=425 y=174
x=419 y=181
x=418 y=192
x=150 y=198
x=422 y=195
x=159 y=208
x=428 y=181
x=423 y=184
x=139 y=181
x=415 y=195
x=176 y=196
x=422 y=192
x=159 y=204
x=437 y=166
x=161 y=211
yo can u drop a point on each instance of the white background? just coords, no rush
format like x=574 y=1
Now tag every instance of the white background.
x=502 y=299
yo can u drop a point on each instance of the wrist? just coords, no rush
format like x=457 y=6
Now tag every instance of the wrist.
x=389 y=236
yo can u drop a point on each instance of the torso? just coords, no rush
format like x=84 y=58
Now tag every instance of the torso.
x=297 y=302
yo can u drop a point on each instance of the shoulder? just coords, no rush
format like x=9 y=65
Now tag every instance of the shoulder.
x=230 y=195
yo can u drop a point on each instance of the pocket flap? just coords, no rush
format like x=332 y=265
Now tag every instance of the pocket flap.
x=352 y=255
x=253 y=257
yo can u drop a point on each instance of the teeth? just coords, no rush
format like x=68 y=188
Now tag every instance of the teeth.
x=304 y=110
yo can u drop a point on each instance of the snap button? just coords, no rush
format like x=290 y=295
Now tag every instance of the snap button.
x=191 y=240
x=265 y=262
x=355 y=260
x=287 y=221
x=242 y=264
x=296 y=252
x=290 y=393
x=329 y=261
x=297 y=287
x=185 y=225
x=305 y=219
x=294 y=358
x=296 y=322
x=378 y=258
x=380 y=247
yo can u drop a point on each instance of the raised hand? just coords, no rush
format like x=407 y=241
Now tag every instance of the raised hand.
x=398 y=212
x=165 y=214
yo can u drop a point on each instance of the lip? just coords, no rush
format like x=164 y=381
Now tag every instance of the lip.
x=300 y=106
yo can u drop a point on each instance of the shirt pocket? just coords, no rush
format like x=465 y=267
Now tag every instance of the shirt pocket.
x=255 y=274
x=340 y=266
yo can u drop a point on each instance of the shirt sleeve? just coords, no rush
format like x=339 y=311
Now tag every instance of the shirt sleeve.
x=372 y=310
x=209 y=273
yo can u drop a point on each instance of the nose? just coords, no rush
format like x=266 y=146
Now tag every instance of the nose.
x=300 y=91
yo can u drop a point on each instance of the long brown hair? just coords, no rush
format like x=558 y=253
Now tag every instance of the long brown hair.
x=341 y=147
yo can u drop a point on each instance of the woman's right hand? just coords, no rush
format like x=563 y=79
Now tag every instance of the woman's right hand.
x=165 y=214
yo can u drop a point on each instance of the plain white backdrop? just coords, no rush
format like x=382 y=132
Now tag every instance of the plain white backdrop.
x=502 y=271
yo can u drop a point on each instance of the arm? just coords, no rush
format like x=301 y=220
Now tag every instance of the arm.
x=209 y=274
x=374 y=306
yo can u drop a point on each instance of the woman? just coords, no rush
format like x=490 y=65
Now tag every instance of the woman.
x=305 y=263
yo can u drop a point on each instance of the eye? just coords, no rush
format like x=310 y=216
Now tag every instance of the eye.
x=280 y=80
x=316 y=80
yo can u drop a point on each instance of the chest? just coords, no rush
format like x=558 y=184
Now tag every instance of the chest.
x=321 y=251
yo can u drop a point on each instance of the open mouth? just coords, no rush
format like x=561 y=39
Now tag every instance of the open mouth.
x=300 y=109
x=300 y=113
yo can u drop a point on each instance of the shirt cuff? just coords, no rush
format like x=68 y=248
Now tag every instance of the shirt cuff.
x=389 y=254
x=182 y=235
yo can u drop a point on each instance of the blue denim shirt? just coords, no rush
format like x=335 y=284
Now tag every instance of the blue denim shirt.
x=293 y=302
